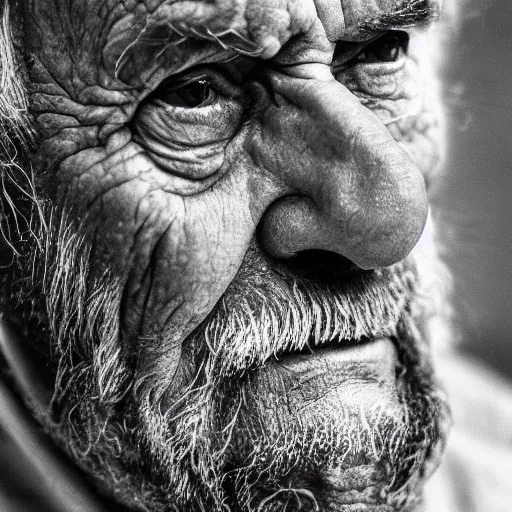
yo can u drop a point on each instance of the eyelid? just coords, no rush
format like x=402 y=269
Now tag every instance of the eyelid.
x=179 y=84
x=345 y=51
x=217 y=79
x=350 y=51
x=189 y=143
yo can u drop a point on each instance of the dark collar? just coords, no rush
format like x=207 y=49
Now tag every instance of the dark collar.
x=62 y=484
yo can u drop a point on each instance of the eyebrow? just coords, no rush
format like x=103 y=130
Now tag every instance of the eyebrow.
x=410 y=13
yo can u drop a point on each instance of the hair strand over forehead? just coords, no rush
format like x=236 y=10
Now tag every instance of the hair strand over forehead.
x=13 y=103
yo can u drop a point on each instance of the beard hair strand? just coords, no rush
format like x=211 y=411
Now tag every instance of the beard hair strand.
x=154 y=449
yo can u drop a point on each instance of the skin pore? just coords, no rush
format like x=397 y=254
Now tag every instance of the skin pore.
x=218 y=272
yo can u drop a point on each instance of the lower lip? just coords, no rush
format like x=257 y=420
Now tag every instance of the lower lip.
x=375 y=351
x=333 y=383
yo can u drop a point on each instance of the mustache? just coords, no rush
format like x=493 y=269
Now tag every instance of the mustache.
x=265 y=313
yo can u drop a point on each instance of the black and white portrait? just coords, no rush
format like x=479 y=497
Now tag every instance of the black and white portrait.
x=222 y=282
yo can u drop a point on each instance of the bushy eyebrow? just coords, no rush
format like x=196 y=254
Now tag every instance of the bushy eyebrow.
x=410 y=13
x=407 y=13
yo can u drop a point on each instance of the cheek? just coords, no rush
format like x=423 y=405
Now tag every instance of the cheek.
x=423 y=137
x=408 y=102
x=175 y=253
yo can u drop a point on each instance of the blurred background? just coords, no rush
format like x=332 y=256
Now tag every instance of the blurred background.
x=475 y=201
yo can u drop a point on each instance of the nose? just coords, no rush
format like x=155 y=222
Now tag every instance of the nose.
x=353 y=189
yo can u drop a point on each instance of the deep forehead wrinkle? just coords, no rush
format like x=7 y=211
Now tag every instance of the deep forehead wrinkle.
x=174 y=31
x=238 y=23
x=233 y=23
x=139 y=42
x=257 y=28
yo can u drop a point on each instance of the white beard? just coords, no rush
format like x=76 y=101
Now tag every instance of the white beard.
x=158 y=439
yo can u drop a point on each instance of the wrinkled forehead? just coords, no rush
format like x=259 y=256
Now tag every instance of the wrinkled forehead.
x=266 y=22
x=143 y=36
x=341 y=18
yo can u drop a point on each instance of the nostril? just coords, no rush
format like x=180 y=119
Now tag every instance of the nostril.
x=318 y=265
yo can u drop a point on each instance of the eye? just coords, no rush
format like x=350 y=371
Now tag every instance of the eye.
x=192 y=93
x=185 y=124
x=388 y=48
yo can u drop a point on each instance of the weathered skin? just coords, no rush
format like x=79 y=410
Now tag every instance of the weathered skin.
x=159 y=224
x=297 y=151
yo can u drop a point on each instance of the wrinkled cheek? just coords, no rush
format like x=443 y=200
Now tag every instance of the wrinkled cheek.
x=194 y=262
x=173 y=247
x=410 y=110
x=426 y=146
x=180 y=282
x=418 y=126
x=175 y=253
x=111 y=193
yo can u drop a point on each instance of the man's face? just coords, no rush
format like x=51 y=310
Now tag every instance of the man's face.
x=232 y=190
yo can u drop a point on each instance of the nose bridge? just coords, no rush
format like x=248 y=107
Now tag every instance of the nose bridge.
x=357 y=192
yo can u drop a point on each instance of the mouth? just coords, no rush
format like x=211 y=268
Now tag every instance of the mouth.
x=286 y=316
x=312 y=347
x=340 y=352
x=339 y=379
x=374 y=361
x=349 y=348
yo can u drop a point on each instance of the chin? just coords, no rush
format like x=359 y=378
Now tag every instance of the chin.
x=355 y=428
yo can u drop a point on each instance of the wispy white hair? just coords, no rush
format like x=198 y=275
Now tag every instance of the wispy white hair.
x=18 y=202
x=13 y=101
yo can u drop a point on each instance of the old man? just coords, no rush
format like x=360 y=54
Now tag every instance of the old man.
x=220 y=284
